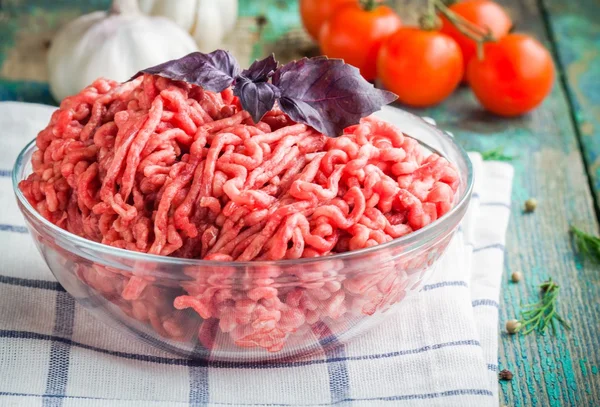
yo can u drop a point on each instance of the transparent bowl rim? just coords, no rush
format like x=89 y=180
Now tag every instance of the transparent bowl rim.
x=411 y=241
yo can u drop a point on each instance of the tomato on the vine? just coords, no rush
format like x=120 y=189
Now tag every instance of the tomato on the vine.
x=355 y=33
x=515 y=75
x=422 y=67
x=485 y=14
x=314 y=13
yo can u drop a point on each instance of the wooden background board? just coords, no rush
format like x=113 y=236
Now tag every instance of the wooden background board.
x=575 y=30
x=552 y=146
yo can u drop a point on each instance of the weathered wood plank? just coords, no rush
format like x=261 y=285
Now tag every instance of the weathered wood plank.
x=26 y=91
x=26 y=29
x=575 y=27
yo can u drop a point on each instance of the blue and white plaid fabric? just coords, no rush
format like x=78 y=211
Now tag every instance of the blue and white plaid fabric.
x=439 y=350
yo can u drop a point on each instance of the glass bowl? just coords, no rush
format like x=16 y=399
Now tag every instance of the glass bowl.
x=251 y=310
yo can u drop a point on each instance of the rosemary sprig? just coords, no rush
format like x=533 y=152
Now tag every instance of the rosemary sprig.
x=538 y=315
x=496 y=154
x=588 y=246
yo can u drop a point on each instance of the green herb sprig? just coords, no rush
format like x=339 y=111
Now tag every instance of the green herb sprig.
x=539 y=315
x=588 y=246
x=496 y=154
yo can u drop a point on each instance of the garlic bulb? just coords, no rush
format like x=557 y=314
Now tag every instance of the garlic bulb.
x=114 y=44
x=208 y=21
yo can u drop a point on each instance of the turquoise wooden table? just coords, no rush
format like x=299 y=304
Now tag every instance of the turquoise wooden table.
x=557 y=150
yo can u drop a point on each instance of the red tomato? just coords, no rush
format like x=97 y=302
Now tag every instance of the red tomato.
x=355 y=35
x=485 y=14
x=515 y=75
x=315 y=12
x=421 y=67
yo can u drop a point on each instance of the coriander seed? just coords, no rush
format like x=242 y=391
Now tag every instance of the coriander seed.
x=513 y=326
x=505 y=374
x=530 y=205
x=516 y=276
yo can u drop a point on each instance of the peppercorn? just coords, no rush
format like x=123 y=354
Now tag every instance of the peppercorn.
x=513 y=326
x=530 y=205
x=505 y=375
x=516 y=276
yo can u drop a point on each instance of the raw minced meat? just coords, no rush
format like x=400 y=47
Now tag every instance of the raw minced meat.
x=167 y=168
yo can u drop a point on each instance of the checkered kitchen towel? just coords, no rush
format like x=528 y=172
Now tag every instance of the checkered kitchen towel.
x=439 y=350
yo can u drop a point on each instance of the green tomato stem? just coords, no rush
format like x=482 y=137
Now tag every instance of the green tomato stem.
x=430 y=21
x=369 y=5
x=472 y=31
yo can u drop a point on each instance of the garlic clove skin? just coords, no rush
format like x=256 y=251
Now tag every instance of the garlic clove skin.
x=208 y=21
x=230 y=18
x=181 y=12
x=213 y=23
x=110 y=45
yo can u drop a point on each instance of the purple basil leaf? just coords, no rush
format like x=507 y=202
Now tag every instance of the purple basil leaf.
x=327 y=94
x=214 y=72
x=257 y=98
x=261 y=71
